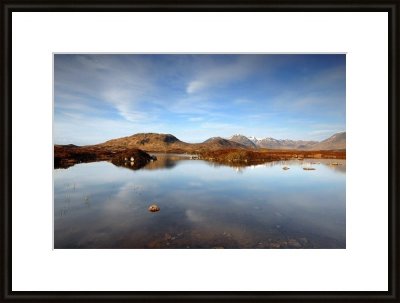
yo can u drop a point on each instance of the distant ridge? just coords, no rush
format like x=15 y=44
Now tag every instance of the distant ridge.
x=336 y=141
x=169 y=143
x=284 y=144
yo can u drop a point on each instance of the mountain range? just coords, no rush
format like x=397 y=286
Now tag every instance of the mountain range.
x=336 y=141
x=168 y=143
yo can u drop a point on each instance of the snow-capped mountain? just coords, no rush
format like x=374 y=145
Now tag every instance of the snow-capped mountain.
x=337 y=141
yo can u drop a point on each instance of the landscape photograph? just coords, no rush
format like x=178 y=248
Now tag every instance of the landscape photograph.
x=199 y=151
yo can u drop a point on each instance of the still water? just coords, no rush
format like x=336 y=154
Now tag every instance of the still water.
x=202 y=205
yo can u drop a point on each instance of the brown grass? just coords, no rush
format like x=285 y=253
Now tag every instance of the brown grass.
x=261 y=156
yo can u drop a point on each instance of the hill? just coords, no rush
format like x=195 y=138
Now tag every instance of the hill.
x=148 y=142
x=335 y=142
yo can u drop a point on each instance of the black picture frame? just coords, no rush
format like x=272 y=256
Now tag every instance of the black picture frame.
x=10 y=6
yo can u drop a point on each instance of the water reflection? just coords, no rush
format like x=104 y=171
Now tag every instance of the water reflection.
x=203 y=205
x=167 y=161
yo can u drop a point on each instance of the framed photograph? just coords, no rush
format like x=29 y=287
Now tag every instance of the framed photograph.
x=178 y=125
x=199 y=151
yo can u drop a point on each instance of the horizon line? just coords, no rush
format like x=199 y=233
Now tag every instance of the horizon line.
x=226 y=138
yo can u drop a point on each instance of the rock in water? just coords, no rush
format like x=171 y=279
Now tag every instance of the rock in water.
x=153 y=208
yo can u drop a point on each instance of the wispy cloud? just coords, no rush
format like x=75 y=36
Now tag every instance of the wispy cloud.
x=105 y=79
x=195 y=86
x=218 y=126
x=216 y=74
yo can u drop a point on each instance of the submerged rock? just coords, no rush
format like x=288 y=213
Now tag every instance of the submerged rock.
x=153 y=208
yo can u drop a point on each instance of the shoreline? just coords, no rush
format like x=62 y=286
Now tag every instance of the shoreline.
x=66 y=155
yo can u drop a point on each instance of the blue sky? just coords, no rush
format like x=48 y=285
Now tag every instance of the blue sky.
x=195 y=97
